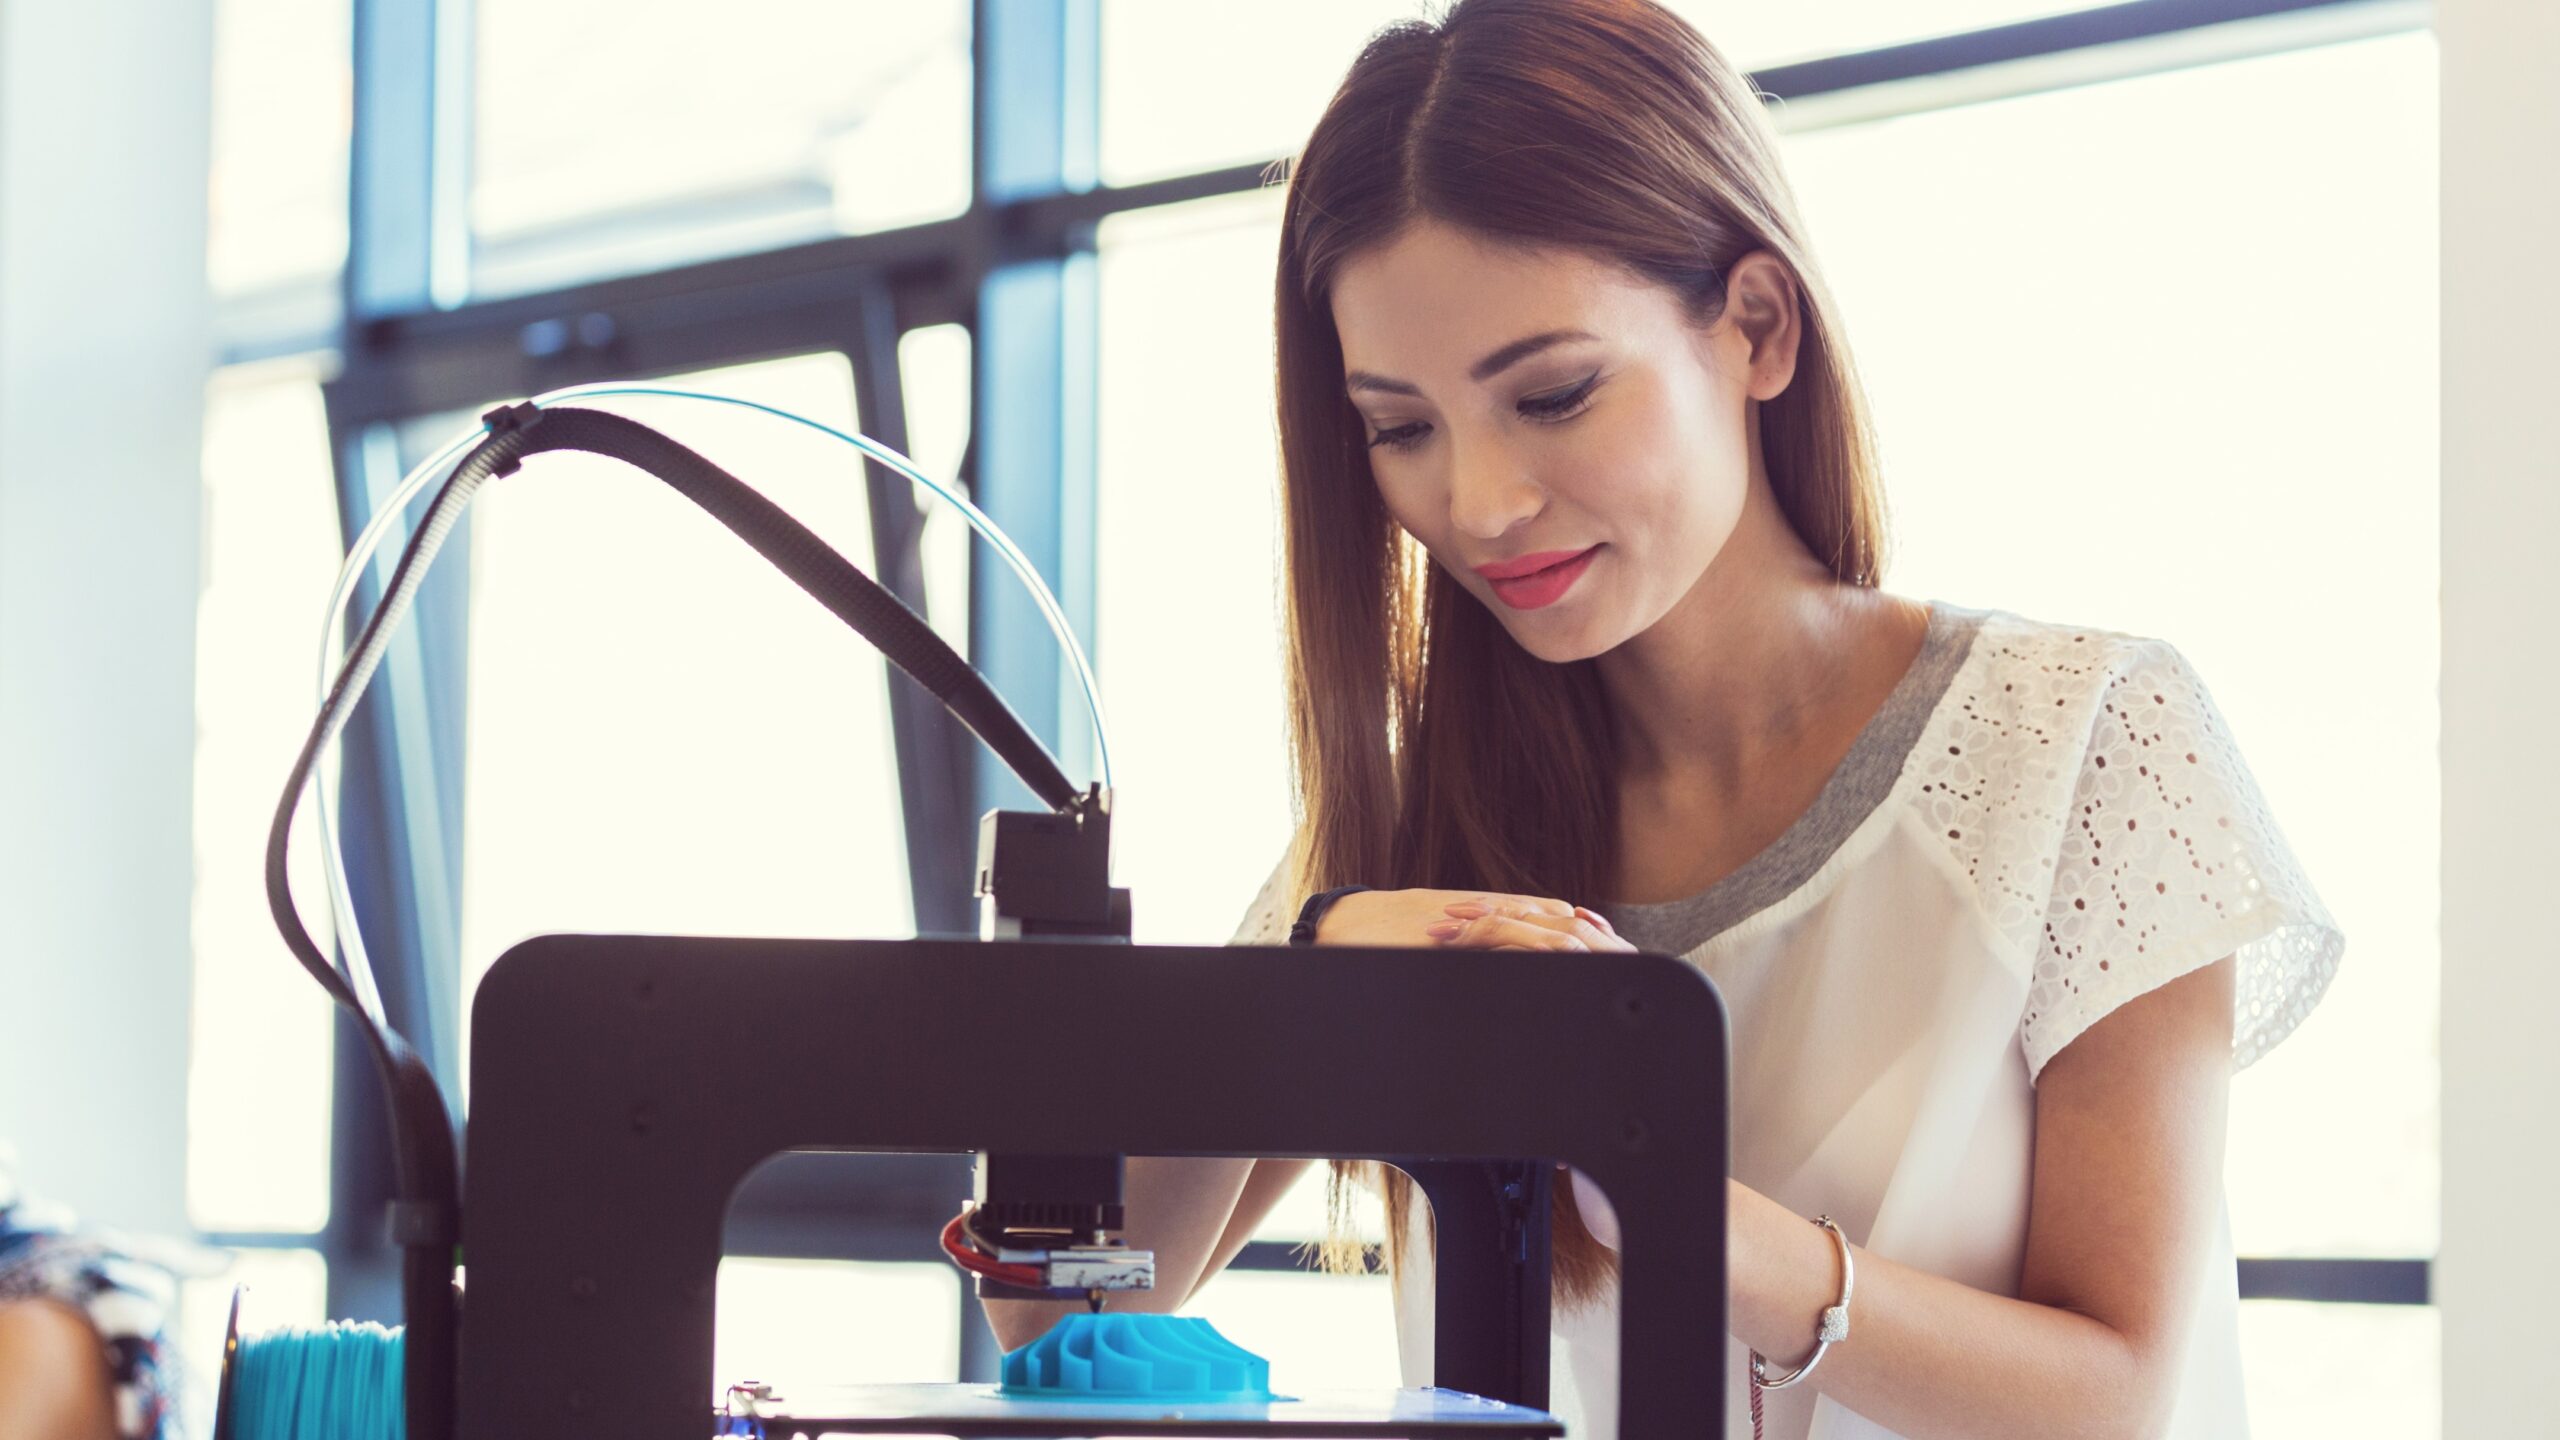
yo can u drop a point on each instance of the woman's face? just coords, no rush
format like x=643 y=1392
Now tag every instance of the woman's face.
x=1546 y=408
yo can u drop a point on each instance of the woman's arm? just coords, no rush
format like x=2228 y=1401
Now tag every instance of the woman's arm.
x=1177 y=1207
x=1263 y=1188
x=1173 y=1201
x=2127 y=1187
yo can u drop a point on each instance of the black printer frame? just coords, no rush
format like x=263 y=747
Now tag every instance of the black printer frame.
x=623 y=1087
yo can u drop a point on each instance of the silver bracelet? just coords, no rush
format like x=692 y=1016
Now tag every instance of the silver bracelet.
x=1835 y=1321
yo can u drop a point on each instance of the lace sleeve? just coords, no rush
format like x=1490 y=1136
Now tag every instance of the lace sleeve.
x=2170 y=861
x=1268 y=918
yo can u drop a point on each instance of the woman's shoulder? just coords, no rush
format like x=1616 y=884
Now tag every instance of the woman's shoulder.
x=2040 y=679
x=2037 y=706
x=2050 y=645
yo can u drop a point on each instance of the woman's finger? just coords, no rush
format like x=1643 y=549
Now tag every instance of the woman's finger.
x=1595 y=917
x=1469 y=906
x=1492 y=932
x=1593 y=937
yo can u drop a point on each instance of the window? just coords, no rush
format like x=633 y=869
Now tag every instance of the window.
x=2189 y=320
x=2112 y=325
x=1182 y=93
x=933 y=363
x=835 y=1322
x=277 y=233
x=616 y=137
x=1172 y=104
x=1189 y=506
x=259 y=1080
x=666 y=736
x=1756 y=37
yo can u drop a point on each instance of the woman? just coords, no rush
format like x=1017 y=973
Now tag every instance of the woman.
x=1589 y=651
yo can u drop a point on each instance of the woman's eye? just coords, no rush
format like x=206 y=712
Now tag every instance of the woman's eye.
x=1558 y=404
x=1553 y=406
x=1399 y=437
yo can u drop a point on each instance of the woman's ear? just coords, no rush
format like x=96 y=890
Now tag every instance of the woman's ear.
x=1763 y=305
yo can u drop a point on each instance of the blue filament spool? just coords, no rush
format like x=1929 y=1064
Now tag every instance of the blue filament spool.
x=338 y=1382
x=1145 y=1359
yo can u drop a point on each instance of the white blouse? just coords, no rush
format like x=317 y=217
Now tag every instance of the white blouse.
x=2042 y=822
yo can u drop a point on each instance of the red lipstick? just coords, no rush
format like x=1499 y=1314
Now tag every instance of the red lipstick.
x=1534 y=581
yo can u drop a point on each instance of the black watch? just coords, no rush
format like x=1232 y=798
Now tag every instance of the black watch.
x=1304 y=932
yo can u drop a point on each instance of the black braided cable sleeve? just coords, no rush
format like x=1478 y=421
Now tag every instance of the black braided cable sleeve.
x=901 y=635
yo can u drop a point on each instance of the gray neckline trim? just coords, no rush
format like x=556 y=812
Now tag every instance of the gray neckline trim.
x=1864 y=777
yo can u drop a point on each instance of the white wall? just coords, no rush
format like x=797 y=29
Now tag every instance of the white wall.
x=103 y=355
x=2500 y=1267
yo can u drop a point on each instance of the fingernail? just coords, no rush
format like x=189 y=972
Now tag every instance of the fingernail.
x=1465 y=909
x=1444 y=929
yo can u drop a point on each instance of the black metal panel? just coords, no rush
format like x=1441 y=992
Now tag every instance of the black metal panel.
x=623 y=1086
x=1502 y=1210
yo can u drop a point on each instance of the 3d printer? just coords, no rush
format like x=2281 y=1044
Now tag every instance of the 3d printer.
x=623 y=1087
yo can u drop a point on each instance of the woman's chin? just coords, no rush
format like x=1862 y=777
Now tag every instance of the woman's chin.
x=1554 y=643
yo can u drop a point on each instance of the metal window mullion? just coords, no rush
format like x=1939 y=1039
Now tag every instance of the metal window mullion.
x=262 y=1239
x=401 y=788
x=408 y=226
x=933 y=751
x=1035 y=350
x=399 y=826
x=2330 y=1280
x=2311 y=1279
x=2092 y=28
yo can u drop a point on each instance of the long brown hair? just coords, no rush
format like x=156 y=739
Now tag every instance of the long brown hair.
x=1431 y=750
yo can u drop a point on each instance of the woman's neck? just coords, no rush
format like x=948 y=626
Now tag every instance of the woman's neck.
x=1767 y=656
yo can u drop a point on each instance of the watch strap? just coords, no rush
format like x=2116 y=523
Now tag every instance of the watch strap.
x=1309 y=914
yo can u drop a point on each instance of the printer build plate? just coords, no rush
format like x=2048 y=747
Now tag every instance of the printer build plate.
x=974 y=1410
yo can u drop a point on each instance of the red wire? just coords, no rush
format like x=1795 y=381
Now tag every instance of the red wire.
x=978 y=1262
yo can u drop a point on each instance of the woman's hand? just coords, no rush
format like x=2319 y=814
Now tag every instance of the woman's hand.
x=1464 y=920
x=1523 y=922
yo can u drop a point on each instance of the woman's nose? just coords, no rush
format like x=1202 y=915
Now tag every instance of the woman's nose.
x=1490 y=492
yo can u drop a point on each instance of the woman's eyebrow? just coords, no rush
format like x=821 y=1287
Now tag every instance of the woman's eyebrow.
x=1484 y=369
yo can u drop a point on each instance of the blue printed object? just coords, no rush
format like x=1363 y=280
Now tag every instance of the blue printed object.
x=1136 y=1357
